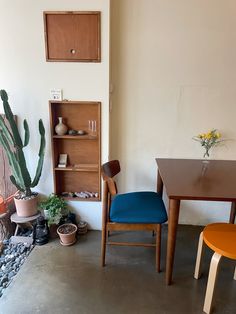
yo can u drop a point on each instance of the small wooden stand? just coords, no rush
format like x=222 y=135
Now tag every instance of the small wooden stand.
x=23 y=221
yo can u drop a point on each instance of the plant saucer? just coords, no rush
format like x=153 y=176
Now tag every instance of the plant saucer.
x=68 y=244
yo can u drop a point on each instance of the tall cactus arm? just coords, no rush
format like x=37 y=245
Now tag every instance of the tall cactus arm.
x=22 y=163
x=12 y=160
x=27 y=133
x=13 y=180
x=6 y=131
x=10 y=118
x=41 y=154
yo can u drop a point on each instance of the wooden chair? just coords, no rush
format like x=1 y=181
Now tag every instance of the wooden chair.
x=221 y=238
x=134 y=211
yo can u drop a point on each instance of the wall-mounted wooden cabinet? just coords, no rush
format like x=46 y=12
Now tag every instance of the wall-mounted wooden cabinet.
x=82 y=172
x=73 y=36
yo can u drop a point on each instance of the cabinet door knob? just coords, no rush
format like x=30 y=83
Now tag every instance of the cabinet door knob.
x=73 y=51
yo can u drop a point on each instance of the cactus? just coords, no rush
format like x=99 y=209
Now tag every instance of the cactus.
x=12 y=143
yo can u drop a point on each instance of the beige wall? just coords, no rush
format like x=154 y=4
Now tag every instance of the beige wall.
x=28 y=78
x=173 y=76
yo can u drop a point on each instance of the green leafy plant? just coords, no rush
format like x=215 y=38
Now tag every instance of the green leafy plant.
x=56 y=208
x=13 y=145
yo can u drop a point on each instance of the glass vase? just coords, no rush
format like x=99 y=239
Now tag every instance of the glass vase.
x=206 y=159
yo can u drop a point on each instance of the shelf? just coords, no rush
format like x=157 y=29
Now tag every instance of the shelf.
x=82 y=167
x=80 y=199
x=83 y=152
x=76 y=137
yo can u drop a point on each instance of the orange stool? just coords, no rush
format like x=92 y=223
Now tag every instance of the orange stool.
x=221 y=238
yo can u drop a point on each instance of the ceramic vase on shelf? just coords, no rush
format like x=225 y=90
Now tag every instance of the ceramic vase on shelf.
x=61 y=128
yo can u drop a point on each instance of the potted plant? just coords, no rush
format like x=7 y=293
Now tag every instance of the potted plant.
x=26 y=200
x=54 y=208
x=67 y=234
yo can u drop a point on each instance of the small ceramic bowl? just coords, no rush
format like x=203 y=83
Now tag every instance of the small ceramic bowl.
x=81 y=132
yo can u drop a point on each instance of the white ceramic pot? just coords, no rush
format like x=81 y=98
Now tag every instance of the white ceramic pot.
x=46 y=213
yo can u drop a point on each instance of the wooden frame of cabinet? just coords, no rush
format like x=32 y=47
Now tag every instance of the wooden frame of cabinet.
x=72 y=36
x=84 y=151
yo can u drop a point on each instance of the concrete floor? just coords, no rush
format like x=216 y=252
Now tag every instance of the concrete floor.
x=60 y=280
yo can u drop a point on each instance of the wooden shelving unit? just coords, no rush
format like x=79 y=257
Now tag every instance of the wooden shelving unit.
x=82 y=172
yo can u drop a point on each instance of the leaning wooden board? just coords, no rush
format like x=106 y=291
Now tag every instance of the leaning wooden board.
x=6 y=187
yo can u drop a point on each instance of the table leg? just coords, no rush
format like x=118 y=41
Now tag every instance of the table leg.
x=232 y=213
x=174 y=206
x=159 y=183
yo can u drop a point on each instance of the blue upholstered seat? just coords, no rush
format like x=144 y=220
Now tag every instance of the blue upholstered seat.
x=138 y=207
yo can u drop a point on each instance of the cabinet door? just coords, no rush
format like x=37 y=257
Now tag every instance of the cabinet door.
x=72 y=36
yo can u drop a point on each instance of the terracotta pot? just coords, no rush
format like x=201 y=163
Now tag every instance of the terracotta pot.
x=67 y=233
x=3 y=203
x=26 y=208
x=53 y=231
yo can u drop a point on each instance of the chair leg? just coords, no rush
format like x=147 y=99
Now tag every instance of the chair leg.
x=158 y=248
x=197 y=271
x=211 y=282
x=235 y=273
x=104 y=237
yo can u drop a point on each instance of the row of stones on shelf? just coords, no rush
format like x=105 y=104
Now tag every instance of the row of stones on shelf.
x=82 y=194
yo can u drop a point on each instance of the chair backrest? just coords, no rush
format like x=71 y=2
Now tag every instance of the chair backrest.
x=109 y=170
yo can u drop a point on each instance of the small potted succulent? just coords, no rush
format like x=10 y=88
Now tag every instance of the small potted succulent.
x=54 y=208
x=67 y=233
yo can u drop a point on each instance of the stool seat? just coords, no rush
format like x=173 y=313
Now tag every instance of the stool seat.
x=17 y=219
x=221 y=238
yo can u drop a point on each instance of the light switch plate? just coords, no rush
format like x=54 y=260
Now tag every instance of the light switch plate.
x=56 y=94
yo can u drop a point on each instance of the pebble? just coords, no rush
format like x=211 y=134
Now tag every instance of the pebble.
x=11 y=259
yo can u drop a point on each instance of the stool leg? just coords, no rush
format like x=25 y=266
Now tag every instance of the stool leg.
x=199 y=257
x=16 y=230
x=235 y=273
x=211 y=282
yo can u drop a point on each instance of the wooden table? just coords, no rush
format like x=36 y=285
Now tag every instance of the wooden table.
x=192 y=179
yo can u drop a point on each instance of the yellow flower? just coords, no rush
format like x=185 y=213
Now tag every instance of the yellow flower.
x=208 y=140
x=208 y=136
